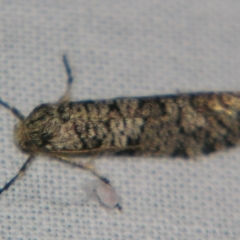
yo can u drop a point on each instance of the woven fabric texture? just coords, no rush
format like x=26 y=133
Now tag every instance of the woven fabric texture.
x=118 y=48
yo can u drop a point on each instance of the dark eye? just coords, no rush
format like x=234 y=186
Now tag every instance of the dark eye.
x=28 y=143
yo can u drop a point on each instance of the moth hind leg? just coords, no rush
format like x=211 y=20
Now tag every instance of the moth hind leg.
x=85 y=166
x=103 y=190
x=66 y=96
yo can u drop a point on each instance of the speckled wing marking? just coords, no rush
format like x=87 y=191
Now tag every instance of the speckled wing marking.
x=175 y=125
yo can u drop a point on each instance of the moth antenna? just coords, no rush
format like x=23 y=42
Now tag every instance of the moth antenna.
x=19 y=174
x=13 y=110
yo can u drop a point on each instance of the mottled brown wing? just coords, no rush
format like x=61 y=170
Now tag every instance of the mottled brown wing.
x=174 y=125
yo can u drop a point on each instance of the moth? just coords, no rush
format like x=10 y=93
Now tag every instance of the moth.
x=180 y=125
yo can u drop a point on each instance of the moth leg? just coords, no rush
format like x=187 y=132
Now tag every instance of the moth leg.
x=66 y=96
x=90 y=161
x=84 y=166
x=19 y=174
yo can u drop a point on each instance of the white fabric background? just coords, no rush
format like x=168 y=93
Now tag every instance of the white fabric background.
x=118 y=48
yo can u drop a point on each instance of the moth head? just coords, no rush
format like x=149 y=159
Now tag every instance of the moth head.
x=22 y=138
x=34 y=132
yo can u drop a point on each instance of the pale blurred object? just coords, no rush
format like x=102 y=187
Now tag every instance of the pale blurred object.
x=104 y=193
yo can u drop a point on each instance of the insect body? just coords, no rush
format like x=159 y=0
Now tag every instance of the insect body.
x=179 y=125
x=173 y=125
